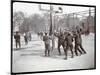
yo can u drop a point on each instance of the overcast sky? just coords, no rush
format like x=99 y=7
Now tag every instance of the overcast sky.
x=31 y=8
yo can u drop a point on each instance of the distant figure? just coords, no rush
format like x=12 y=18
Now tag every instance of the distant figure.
x=26 y=38
x=17 y=39
x=41 y=35
x=78 y=43
x=30 y=37
x=46 y=40
x=38 y=34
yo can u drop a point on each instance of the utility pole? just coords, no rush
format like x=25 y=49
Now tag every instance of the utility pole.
x=51 y=24
x=88 y=21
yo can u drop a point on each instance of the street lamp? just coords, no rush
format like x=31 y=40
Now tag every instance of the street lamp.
x=51 y=21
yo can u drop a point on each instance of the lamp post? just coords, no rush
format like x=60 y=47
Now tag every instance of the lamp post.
x=51 y=30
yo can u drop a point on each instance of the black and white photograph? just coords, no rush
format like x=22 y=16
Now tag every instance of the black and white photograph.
x=50 y=37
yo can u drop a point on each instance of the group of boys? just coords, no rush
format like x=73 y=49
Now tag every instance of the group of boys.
x=66 y=39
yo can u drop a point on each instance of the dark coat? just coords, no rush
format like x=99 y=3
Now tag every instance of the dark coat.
x=78 y=39
x=61 y=38
x=17 y=38
x=46 y=39
x=69 y=39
